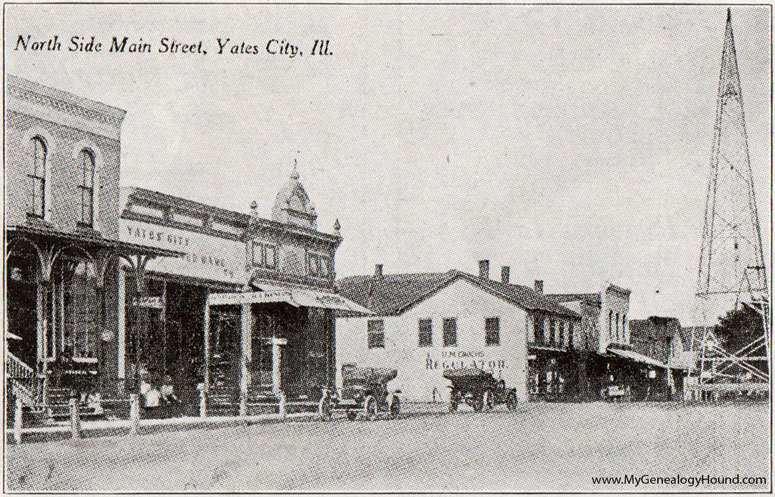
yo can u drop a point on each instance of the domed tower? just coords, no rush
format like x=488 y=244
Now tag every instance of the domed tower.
x=293 y=206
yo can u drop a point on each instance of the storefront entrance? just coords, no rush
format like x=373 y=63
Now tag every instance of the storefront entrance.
x=283 y=345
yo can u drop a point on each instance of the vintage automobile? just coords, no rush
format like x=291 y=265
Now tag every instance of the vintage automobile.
x=365 y=391
x=479 y=389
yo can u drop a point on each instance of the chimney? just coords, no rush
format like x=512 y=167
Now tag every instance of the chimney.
x=484 y=269
x=378 y=270
x=505 y=274
x=539 y=286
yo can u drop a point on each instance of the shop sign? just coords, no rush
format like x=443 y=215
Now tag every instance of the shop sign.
x=149 y=302
x=204 y=256
x=249 y=297
x=463 y=359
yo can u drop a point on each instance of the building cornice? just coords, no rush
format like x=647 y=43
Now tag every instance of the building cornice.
x=50 y=104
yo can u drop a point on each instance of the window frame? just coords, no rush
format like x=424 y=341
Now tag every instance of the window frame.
x=446 y=330
x=38 y=181
x=538 y=329
x=551 y=330
x=610 y=322
x=263 y=249
x=269 y=247
x=488 y=332
x=372 y=330
x=424 y=336
x=253 y=246
x=87 y=191
x=561 y=333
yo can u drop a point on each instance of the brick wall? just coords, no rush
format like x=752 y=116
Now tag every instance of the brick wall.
x=63 y=197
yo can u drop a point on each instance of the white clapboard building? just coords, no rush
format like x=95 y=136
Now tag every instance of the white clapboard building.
x=424 y=323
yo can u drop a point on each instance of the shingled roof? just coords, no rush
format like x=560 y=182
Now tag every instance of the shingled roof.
x=573 y=297
x=392 y=294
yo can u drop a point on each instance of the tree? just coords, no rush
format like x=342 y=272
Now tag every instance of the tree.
x=739 y=328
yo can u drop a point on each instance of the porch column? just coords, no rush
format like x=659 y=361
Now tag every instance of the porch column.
x=247 y=352
x=101 y=369
x=207 y=345
x=276 y=364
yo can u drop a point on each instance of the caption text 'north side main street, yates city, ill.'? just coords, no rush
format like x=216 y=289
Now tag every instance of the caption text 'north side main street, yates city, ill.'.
x=125 y=45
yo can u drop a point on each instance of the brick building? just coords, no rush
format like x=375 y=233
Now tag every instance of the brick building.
x=62 y=165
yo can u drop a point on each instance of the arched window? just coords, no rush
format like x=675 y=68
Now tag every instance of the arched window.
x=37 y=177
x=86 y=164
x=617 y=327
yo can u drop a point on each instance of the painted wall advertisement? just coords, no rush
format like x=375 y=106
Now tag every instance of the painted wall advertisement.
x=460 y=359
x=207 y=257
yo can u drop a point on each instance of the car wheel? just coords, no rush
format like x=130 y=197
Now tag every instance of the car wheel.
x=394 y=406
x=351 y=415
x=452 y=406
x=324 y=409
x=370 y=407
x=511 y=401
x=477 y=405
x=488 y=400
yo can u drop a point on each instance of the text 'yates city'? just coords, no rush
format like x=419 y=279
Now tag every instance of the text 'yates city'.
x=167 y=45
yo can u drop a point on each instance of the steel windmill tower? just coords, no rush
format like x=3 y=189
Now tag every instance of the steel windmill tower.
x=732 y=270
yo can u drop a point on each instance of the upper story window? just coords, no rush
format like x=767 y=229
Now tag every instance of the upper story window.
x=610 y=323
x=492 y=331
x=551 y=330
x=425 y=333
x=263 y=255
x=562 y=333
x=617 y=326
x=624 y=327
x=318 y=265
x=570 y=334
x=538 y=328
x=37 y=177
x=86 y=164
x=450 y=332
x=376 y=334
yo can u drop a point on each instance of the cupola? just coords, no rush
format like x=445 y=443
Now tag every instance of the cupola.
x=292 y=205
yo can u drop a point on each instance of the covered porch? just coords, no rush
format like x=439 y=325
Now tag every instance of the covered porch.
x=271 y=343
x=61 y=306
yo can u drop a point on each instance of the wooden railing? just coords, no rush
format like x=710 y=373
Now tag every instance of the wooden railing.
x=22 y=379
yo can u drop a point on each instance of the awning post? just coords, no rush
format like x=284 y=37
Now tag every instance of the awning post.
x=206 y=387
x=246 y=320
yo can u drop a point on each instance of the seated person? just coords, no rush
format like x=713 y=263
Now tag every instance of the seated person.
x=168 y=390
x=168 y=397
x=94 y=402
x=152 y=400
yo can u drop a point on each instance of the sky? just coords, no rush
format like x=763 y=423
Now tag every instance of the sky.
x=571 y=143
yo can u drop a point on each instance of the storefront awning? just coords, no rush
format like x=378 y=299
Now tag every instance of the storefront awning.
x=294 y=296
x=628 y=354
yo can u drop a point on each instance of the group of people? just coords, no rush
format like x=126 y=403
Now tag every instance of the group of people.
x=158 y=399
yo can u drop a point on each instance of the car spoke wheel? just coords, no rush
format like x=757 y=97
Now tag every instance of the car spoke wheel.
x=394 y=406
x=351 y=415
x=477 y=405
x=452 y=406
x=488 y=400
x=370 y=407
x=511 y=401
x=324 y=409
